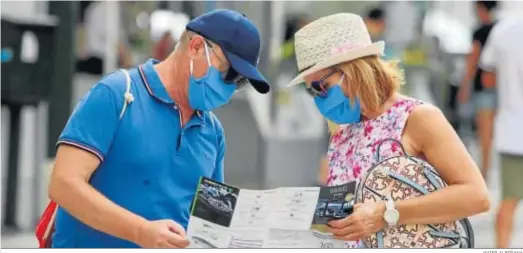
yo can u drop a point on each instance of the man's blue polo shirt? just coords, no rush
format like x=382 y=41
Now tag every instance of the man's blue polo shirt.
x=150 y=163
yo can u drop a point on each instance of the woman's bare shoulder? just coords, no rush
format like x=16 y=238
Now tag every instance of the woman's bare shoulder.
x=425 y=111
x=426 y=123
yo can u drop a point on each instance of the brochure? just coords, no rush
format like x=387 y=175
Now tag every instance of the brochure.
x=223 y=216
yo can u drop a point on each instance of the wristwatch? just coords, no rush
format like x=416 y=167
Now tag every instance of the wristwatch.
x=391 y=215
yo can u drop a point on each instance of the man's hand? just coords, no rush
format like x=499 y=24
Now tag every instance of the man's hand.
x=161 y=234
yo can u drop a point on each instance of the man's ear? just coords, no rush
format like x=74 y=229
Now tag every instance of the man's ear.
x=195 y=46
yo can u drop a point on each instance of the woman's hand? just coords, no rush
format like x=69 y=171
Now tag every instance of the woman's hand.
x=366 y=219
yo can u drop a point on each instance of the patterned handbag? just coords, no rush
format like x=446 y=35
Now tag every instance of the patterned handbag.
x=404 y=177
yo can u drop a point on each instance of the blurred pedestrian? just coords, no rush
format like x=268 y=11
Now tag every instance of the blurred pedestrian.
x=130 y=182
x=354 y=88
x=376 y=25
x=375 y=22
x=502 y=62
x=287 y=55
x=93 y=56
x=484 y=99
x=163 y=47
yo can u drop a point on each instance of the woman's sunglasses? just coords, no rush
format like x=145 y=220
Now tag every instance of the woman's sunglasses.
x=318 y=88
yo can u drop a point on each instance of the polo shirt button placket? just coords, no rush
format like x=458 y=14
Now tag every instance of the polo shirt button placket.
x=179 y=115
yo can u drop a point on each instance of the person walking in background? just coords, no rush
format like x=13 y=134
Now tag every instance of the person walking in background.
x=376 y=25
x=375 y=22
x=287 y=66
x=166 y=28
x=92 y=58
x=502 y=62
x=163 y=47
x=129 y=181
x=484 y=99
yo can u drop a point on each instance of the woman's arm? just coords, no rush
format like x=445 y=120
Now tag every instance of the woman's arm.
x=428 y=133
x=431 y=134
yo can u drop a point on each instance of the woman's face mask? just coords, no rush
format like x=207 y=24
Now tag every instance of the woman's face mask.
x=210 y=91
x=333 y=104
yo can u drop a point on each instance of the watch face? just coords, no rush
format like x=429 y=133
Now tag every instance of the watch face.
x=391 y=216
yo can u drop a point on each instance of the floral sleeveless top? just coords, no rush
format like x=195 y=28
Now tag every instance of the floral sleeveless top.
x=352 y=150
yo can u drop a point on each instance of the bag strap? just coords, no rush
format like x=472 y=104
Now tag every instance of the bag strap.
x=128 y=97
x=378 y=155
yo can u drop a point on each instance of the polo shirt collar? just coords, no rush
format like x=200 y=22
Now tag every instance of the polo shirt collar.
x=154 y=84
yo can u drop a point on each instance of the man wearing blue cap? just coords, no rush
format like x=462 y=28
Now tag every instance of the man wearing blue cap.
x=130 y=157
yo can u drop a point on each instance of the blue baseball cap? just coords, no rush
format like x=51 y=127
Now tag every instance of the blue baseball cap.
x=239 y=40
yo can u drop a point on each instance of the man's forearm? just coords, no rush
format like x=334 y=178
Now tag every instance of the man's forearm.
x=92 y=208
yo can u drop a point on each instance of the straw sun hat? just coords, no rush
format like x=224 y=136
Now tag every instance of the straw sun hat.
x=332 y=40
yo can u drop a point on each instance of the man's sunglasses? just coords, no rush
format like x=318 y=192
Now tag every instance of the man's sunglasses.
x=318 y=88
x=231 y=76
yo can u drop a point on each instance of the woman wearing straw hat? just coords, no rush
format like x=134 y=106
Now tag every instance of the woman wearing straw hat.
x=358 y=91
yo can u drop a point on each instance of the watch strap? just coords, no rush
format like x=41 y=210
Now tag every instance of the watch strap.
x=389 y=204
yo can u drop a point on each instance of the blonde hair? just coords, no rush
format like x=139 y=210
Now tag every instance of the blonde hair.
x=372 y=80
x=333 y=128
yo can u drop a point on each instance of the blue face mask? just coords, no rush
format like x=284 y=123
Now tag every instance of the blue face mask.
x=210 y=91
x=336 y=107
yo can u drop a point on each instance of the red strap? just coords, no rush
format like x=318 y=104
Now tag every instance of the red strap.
x=45 y=227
